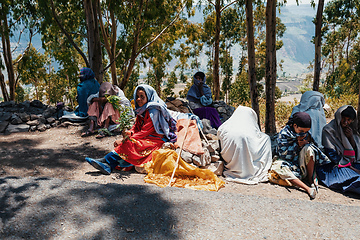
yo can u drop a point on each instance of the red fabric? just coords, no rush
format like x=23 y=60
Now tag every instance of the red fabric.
x=138 y=149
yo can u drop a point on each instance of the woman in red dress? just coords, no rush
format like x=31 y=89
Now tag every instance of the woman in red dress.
x=153 y=127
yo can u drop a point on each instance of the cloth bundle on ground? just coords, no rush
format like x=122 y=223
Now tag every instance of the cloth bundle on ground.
x=99 y=112
x=245 y=149
x=312 y=102
x=87 y=86
x=187 y=130
x=161 y=168
x=338 y=174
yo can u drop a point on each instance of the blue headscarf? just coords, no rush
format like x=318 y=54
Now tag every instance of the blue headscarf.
x=87 y=86
x=194 y=95
x=163 y=123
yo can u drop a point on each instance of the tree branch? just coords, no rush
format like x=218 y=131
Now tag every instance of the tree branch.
x=68 y=35
x=229 y=4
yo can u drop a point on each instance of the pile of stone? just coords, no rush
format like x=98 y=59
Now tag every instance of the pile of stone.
x=27 y=116
x=225 y=111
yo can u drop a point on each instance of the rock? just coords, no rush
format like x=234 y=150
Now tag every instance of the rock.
x=206 y=158
x=221 y=110
x=3 y=125
x=185 y=155
x=15 y=119
x=47 y=126
x=198 y=161
x=33 y=123
x=213 y=146
x=41 y=127
x=42 y=120
x=5 y=116
x=17 y=128
x=215 y=158
x=216 y=167
x=50 y=120
x=168 y=145
x=33 y=128
x=25 y=105
x=34 y=117
x=140 y=169
x=24 y=116
x=37 y=104
x=7 y=104
x=50 y=111
x=210 y=136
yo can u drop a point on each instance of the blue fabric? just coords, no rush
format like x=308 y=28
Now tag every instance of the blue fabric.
x=113 y=159
x=85 y=88
x=343 y=179
x=333 y=156
x=163 y=123
x=194 y=95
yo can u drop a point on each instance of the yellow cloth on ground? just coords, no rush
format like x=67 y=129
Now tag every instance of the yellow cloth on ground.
x=162 y=166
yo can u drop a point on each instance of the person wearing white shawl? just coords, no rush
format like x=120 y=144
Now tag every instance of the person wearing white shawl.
x=245 y=149
x=342 y=145
x=312 y=102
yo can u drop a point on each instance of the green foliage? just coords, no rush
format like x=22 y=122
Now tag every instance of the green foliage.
x=184 y=92
x=125 y=120
x=341 y=100
x=239 y=92
x=170 y=85
x=20 y=95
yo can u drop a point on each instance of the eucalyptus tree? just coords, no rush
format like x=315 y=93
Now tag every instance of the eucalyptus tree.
x=14 y=14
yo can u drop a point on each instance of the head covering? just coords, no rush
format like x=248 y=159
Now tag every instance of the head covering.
x=334 y=138
x=301 y=119
x=107 y=88
x=201 y=75
x=160 y=117
x=349 y=112
x=193 y=94
x=86 y=73
x=245 y=149
x=312 y=102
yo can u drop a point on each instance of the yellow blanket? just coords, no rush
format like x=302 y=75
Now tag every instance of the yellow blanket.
x=186 y=176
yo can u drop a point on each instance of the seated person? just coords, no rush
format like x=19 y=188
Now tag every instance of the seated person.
x=312 y=102
x=87 y=86
x=245 y=149
x=342 y=145
x=200 y=98
x=102 y=113
x=153 y=127
x=297 y=154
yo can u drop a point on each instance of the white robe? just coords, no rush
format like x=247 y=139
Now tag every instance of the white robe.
x=245 y=149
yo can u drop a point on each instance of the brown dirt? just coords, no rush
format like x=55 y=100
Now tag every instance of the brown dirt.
x=60 y=153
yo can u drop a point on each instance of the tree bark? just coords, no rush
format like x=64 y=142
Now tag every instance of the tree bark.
x=4 y=28
x=251 y=59
x=94 y=44
x=270 y=66
x=216 y=67
x=318 y=24
x=3 y=87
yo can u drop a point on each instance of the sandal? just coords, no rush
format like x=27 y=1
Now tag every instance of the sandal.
x=87 y=133
x=100 y=135
x=312 y=193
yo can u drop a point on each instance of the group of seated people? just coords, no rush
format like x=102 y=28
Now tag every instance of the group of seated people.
x=308 y=150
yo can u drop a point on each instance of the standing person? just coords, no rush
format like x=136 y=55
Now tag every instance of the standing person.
x=103 y=113
x=153 y=127
x=297 y=154
x=342 y=145
x=312 y=102
x=200 y=99
x=87 y=86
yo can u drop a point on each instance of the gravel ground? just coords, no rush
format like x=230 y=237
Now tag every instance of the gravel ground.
x=46 y=208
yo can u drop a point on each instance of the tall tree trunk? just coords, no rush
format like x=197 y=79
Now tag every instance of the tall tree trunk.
x=109 y=41
x=270 y=66
x=94 y=44
x=7 y=56
x=251 y=59
x=3 y=87
x=217 y=51
x=318 y=24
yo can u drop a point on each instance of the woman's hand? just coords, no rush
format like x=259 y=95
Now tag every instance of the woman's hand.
x=303 y=140
x=348 y=132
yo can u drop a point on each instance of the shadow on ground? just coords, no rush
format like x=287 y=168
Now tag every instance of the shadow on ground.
x=41 y=208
